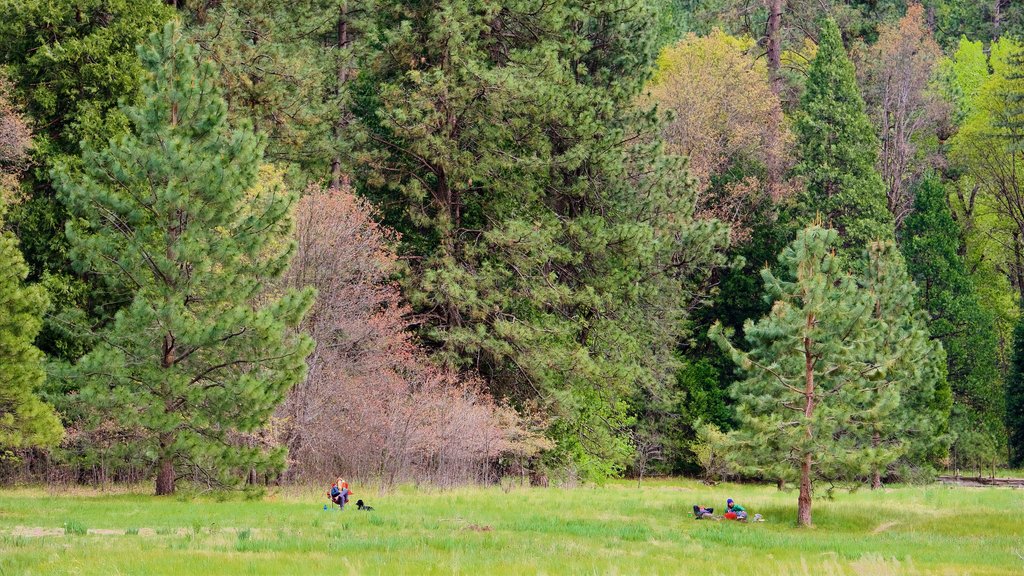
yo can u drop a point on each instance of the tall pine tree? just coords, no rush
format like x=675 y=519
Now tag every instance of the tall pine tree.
x=169 y=211
x=819 y=384
x=908 y=405
x=838 y=150
x=25 y=421
x=552 y=241
x=930 y=242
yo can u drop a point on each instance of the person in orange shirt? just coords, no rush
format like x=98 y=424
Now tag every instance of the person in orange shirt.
x=345 y=492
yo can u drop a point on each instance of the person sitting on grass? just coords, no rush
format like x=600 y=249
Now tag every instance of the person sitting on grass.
x=700 y=512
x=734 y=511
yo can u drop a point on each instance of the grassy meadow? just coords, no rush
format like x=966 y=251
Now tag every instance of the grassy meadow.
x=614 y=529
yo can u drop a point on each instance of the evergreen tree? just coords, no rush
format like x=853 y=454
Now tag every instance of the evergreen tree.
x=278 y=64
x=931 y=245
x=25 y=421
x=71 y=62
x=838 y=150
x=169 y=211
x=909 y=403
x=553 y=242
x=814 y=371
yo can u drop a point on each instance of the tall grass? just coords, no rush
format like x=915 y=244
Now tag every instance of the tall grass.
x=607 y=530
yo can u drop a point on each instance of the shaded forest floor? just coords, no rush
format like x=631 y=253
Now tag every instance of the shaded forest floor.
x=615 y=529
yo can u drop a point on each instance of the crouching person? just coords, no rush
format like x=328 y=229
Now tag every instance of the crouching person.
x=734 y=511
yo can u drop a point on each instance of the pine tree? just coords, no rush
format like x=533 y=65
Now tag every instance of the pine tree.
x=25 y=421
x=931 y=245
x=71 y=62
x=278 y=64
x=838 y=150
x=812 y=368
x=172 y=212
x=553 y=242
x=908 y=406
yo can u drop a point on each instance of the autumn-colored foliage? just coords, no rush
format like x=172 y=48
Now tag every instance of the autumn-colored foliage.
x=373 y=404
x=897 y=75
x=15 y=138
x=728 y=122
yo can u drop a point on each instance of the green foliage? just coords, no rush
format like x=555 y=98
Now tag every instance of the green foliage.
x=278 y=69
x=552 y=241
x=710 y=448
x=1015 y=399
x=829 y=367
x=838 y=149
x=931 y=245
x=172 y=212
x=818 y=316
x=25 y=421
x=71 y=62
x=956 y=19
x=910 y=404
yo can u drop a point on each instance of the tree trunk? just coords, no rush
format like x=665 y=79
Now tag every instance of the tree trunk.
x=997 y=19
x=339 y=127
x=165 y=477
x=803 y=514
x=773 y=43
x=876 y=476
x=1018 y=264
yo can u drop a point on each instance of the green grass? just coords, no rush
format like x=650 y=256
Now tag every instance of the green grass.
x=616 y=529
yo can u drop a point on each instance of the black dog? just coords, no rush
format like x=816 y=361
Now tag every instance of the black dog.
x=363 y=507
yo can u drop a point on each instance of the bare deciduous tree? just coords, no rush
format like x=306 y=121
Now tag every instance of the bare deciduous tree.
x=374 y=406
x=15 y=139
x=896 y=75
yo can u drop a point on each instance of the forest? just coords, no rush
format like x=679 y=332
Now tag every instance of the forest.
x=255 y=242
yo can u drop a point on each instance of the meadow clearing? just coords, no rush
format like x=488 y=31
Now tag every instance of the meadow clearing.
x=612 y=529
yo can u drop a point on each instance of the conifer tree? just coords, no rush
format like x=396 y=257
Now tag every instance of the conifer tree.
x=907 y=406
x=25 y=421
x=554 y=245
x=813 y=365
x=171 y=212
x=70 y=62
x=931 y=244
x=838 y=150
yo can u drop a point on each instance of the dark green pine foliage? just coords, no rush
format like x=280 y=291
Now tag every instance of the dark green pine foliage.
x=171 y=210
x=908 y=404
x=976 y=20
x=812 y=366
x=838 y=150
x=708 y=372
x=25 y=421
x=1015 y=399
x=550 y=240
x=1010 y=116
x=279 y=64
x=71 y=62
x=930 y=244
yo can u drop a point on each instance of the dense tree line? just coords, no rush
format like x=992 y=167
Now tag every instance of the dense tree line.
x=528 y=214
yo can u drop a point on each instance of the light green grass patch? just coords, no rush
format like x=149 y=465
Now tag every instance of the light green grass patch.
x=614 y=529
